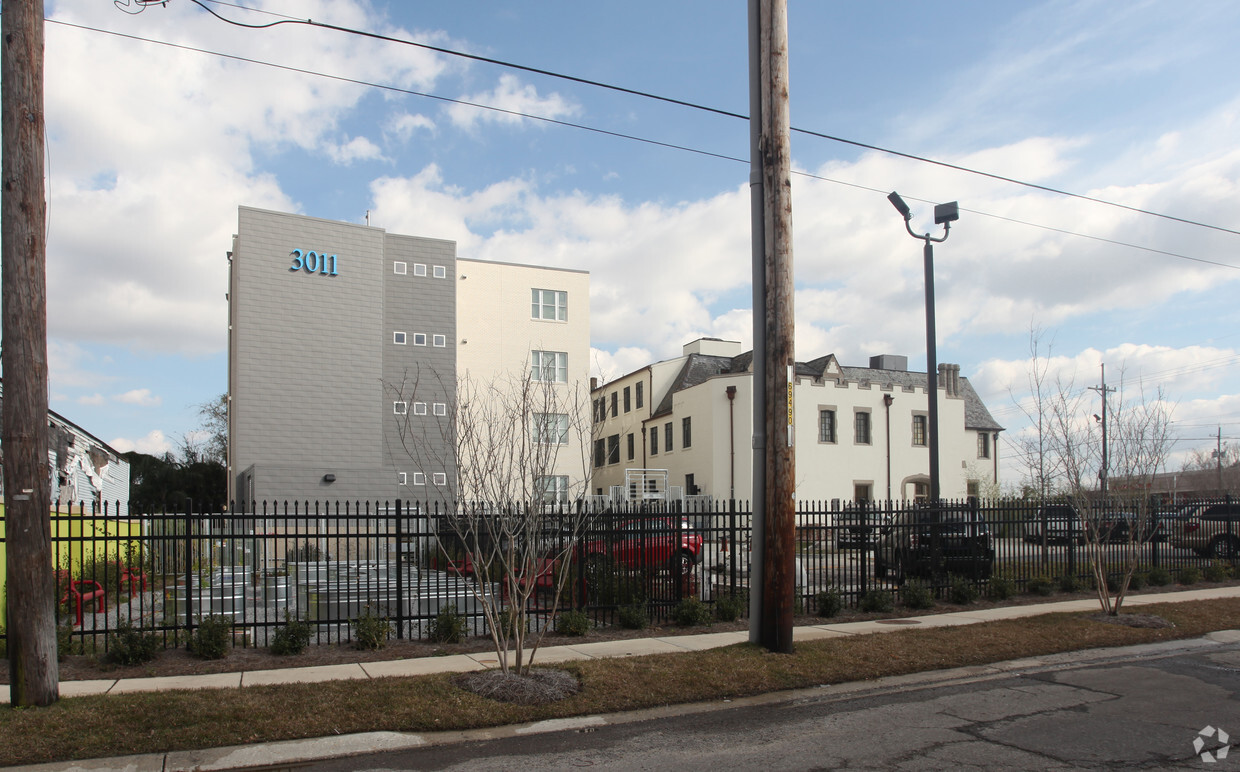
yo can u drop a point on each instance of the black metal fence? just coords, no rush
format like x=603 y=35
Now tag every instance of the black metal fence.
x=329 y=564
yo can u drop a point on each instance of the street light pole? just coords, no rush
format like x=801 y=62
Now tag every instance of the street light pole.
x=945 y=215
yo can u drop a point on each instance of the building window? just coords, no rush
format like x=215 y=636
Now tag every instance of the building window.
x=630 y=446
x=826 y=425
x=919 y=430
x=654 y=441
x=599 y=417
x=600 y=452
x=439 y=408
x=921 y=491
x=419 y=408
x=639 y=386
x=439 y=478
x=419 y=339
x=419 y=478
x=400 y=408
x=404 y=478
x=550 y=428
x=398 y=338
x=627 y=399
x=973 y=489
x=667 y=436
x=549 y=366
x=549 y=305
x=441 y=272
x=861 y=434
x=400 y=269
x=686 y=432
x=554 y=488
x=862 y=492
x=983 y=445
x=439 y=341
x=419 y=269
x=614 y=404
x=613 y=449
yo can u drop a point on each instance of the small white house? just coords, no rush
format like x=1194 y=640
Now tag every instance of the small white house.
x=84 y=469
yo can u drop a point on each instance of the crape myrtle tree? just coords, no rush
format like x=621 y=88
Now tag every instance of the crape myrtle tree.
x=516 y=452
x=1139 y=440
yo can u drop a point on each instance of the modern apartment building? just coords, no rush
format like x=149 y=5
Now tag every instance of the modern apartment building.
x=860 y=433
x=345 y=346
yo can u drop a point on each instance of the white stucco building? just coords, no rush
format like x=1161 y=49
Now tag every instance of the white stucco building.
x=860 y=432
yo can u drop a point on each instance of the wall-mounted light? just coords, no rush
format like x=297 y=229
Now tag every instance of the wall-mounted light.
x=329 y=478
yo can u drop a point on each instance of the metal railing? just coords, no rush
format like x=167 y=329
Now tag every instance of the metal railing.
x=330 y=563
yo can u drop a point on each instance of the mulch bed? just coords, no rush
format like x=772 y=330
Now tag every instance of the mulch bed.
x=174 y=662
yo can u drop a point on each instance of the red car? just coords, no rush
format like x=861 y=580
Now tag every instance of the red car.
x=662 y=541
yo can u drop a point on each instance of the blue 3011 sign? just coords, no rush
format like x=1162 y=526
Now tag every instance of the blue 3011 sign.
x=313 y=262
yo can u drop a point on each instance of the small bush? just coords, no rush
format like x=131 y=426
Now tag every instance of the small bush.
x=1041 y=585
x=961 y=591
x=1190 y=575
x=65 y=643
x=573 y=623
x=1000 y=588
x=1069 y=583
x=876 y=601
x=212 y=638
x=1216 y=572
x=371 y=631
x=448 y=626
x=633 y=617
x=292 y=637
x=1138 y=581
x=916 y=595
x=829 y=603
x=1158 y=577
x=130 y=646
x=729 y=608
x=692 y=612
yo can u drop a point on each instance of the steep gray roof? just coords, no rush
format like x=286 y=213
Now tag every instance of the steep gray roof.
x=698 y=368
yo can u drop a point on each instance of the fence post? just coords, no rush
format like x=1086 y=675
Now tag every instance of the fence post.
x=189 y=568
x=399 y=568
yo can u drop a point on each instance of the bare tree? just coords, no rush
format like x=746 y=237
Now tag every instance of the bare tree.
x=517 y=451
x=1139 y=441
x=1040 y=469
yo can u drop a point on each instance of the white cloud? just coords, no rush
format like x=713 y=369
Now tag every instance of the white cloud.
x=401 y=126
x=139 y=397
x=356 y=149
x=154 y=444
x=514 y=100
x=94 y=400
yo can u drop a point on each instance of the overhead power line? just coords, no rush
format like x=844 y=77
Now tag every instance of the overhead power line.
x=697 y=106
x=604 y=132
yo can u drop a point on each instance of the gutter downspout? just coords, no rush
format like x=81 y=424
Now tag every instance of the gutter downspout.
x=731 y=392
x=887 y=400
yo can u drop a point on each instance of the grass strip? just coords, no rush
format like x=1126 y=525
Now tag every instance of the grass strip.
x=116 y=725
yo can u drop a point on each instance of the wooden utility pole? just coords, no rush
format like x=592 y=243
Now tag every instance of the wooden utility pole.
x=773 y=327
x=30 y=592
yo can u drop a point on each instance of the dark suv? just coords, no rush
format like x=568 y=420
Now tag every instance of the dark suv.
x=933 y=541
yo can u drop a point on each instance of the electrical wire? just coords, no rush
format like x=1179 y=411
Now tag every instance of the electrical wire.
x=604 y=132
x=716 y=111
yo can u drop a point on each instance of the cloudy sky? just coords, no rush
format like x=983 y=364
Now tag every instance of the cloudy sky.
x=162 y=122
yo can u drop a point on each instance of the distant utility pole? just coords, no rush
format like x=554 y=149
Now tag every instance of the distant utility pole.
x=1103 y=390
x=772 y=574
x=30 y=607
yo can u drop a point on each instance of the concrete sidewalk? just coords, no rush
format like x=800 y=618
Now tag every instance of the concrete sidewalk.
x=460 y=663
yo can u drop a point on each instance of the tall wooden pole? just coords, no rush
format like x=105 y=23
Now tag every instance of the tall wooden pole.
x=30 y=591
x=775 y=409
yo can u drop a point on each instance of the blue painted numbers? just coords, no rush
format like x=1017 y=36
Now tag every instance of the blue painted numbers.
x=313 y=262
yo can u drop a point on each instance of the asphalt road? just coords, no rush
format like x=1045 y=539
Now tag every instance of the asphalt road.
x=1137 y=708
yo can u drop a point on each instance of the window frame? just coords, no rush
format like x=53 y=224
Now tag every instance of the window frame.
x=558 y=366
x=539 y=304
x=400 y=407
x=920 y=430
x=868 y=423
x=833 y=431
x=549 y=428
x=419 y=339
x=400 y=268
x=439 y=271
x=439 y=341
x=419 y=269
x=399 y=337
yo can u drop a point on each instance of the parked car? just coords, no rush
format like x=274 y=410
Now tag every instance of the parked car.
x=1061 y=524
x=657 y=541
x=929 y=541
x=859 y=528
x=1210 y=530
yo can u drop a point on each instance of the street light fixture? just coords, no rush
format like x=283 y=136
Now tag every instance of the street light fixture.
x=945 y=215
